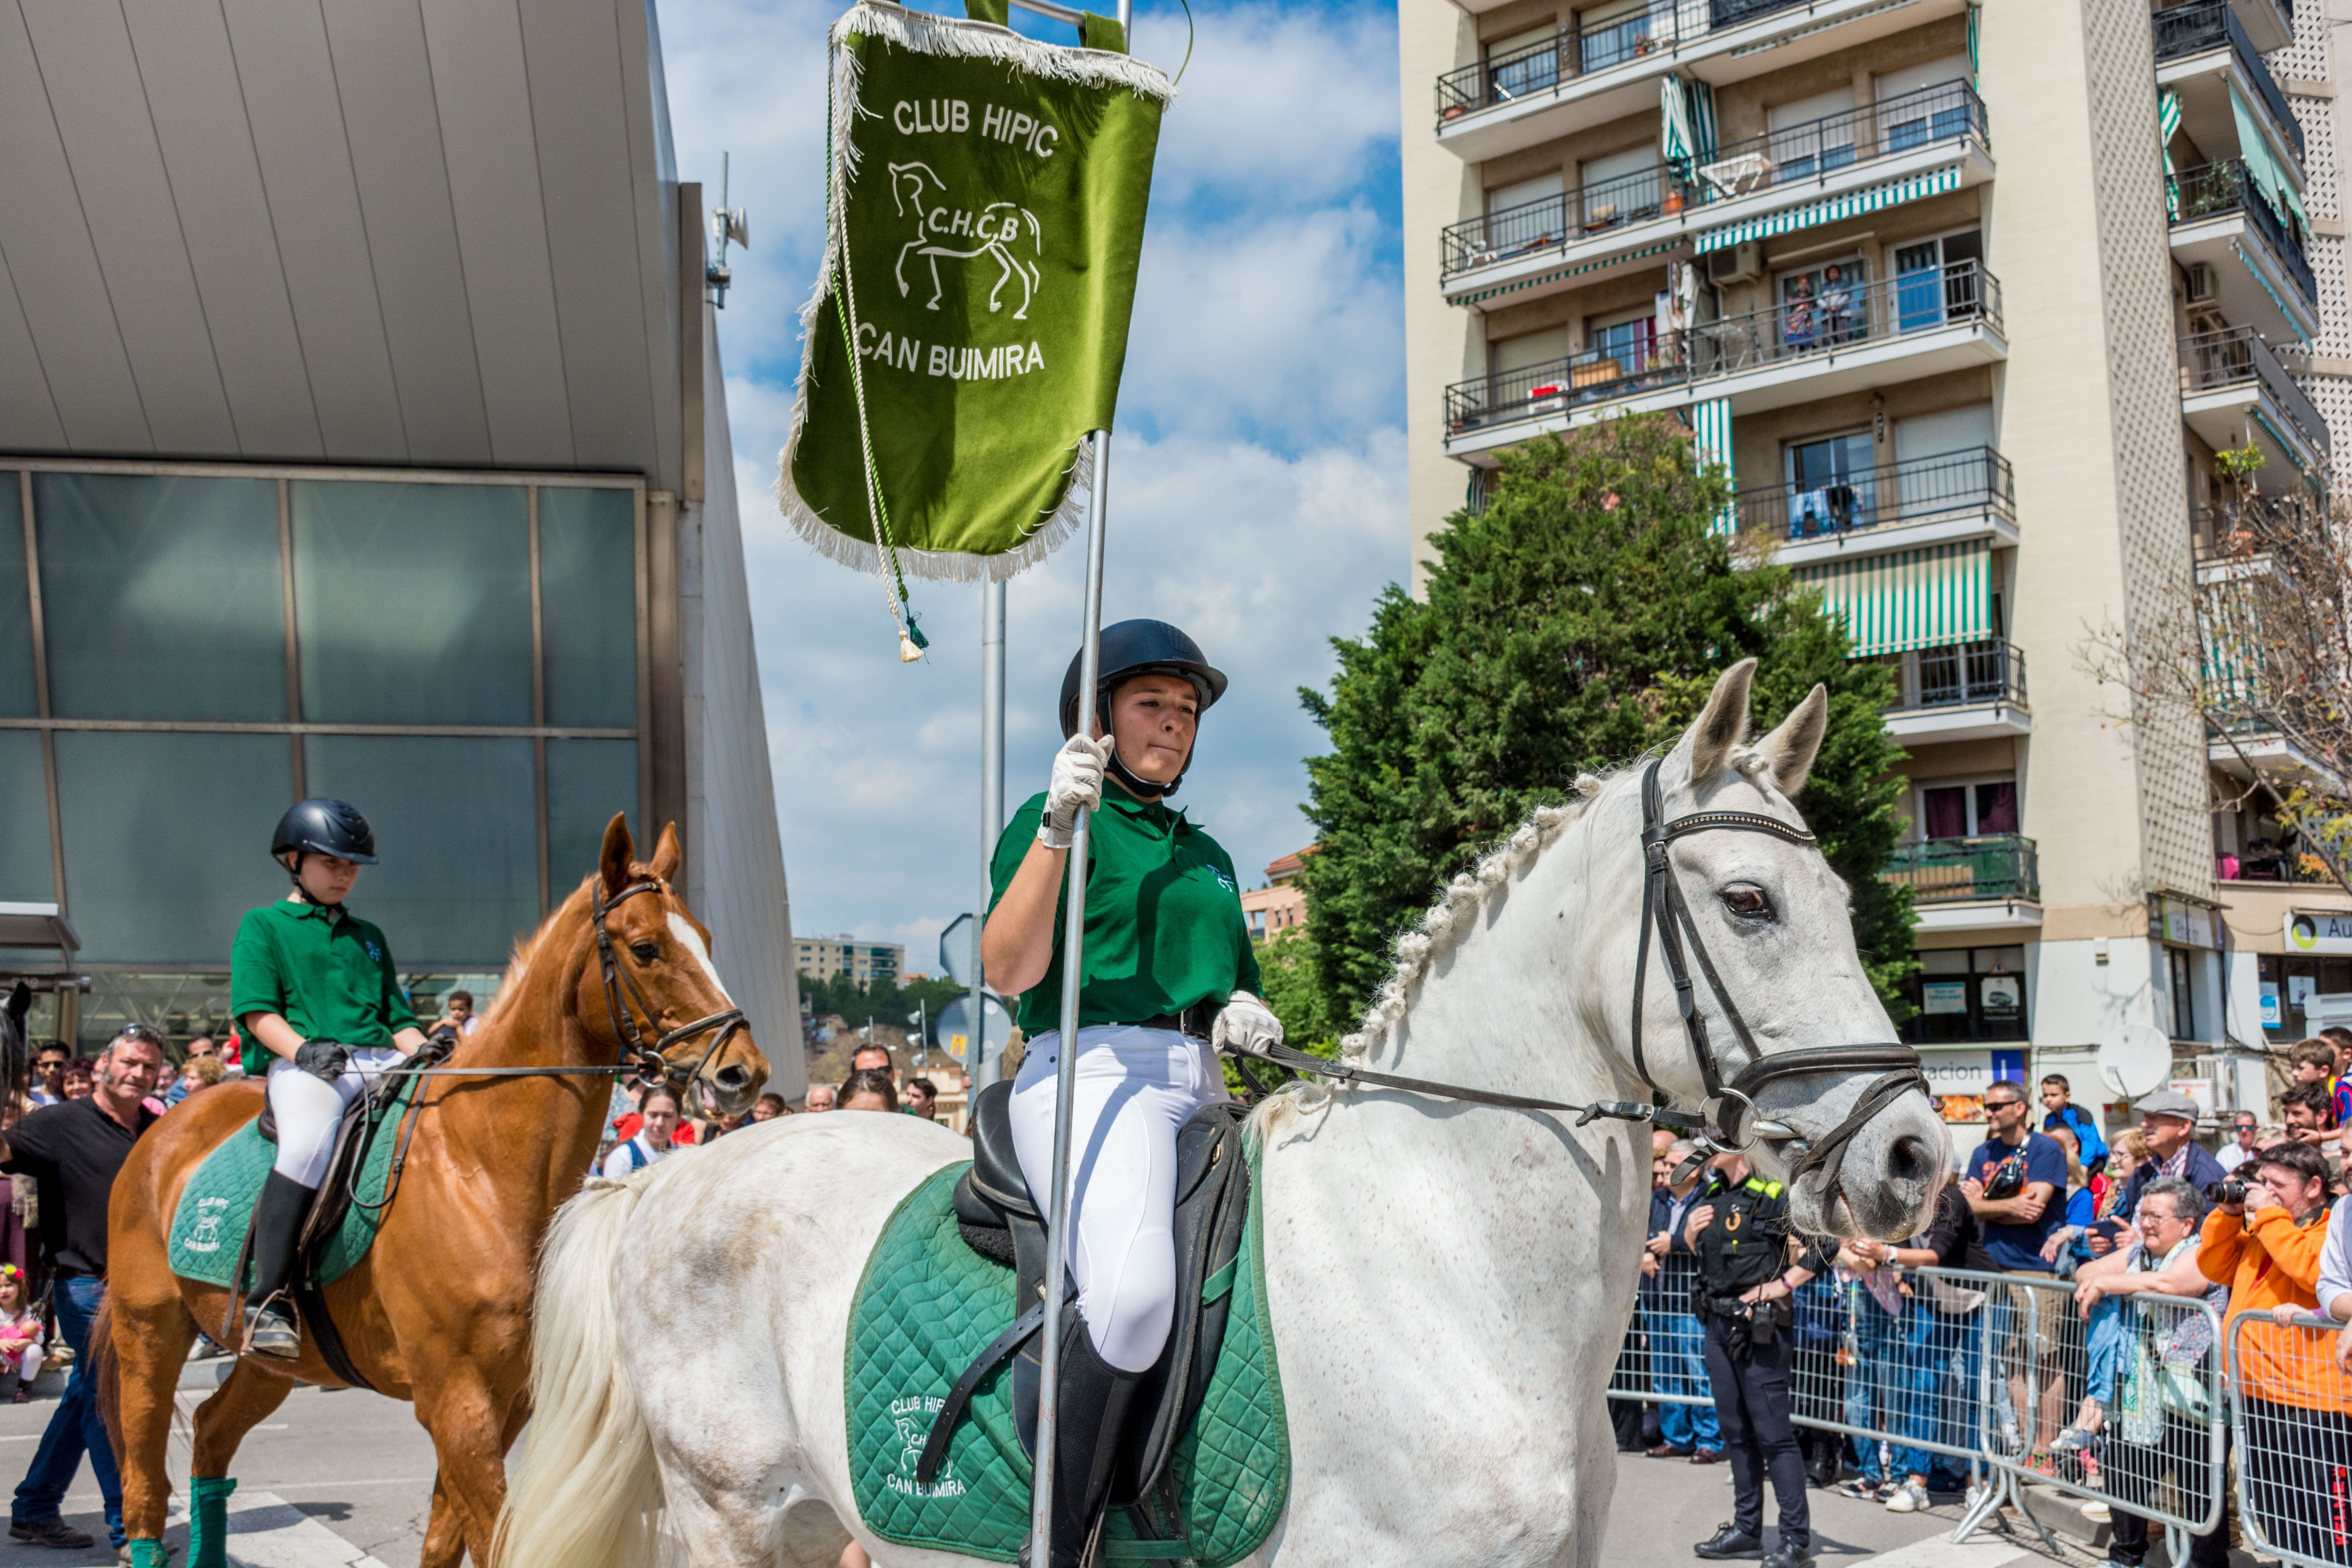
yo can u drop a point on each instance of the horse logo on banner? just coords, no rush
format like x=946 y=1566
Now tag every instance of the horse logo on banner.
x=993 y=231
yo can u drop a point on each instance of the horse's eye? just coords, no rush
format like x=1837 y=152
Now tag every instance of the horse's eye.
x=1749 y=903
x=644 y=951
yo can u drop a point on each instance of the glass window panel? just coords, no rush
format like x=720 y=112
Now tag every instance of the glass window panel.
x=25 y=876
x=17 y=699
x=587 y=782
x=1946 y=813
x=412 y=602
x=1997 y=807
x=456 y=836
x=161 y=598
x=1944 y=961
x=180 y=1006
x=588 y=606
x=167 y=839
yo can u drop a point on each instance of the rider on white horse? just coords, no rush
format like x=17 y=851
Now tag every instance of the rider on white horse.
x=315 y=991
x=1166 y=947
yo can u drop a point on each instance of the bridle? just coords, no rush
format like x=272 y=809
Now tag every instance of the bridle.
x=1731 y=1123
x=650 y=1058
x=1736 y=1124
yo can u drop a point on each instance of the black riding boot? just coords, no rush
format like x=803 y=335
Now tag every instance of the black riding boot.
x=270 y=1326
x=1095 y=1397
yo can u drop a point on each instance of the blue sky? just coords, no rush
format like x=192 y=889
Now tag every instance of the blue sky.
x=1258 y=475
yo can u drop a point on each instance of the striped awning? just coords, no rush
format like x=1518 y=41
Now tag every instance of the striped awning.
x=1853 y=204
x=1555 y=274
x=1710 y=423
x=1910 y=599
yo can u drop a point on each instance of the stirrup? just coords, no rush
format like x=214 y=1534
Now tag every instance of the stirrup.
x=271 y=1329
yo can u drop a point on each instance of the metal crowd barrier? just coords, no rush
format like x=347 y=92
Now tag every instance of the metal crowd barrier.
x=2291 y=1414
x=1983 y=1371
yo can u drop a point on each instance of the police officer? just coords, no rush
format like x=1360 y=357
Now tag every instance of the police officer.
x=315 y=990
x=1745 y=1282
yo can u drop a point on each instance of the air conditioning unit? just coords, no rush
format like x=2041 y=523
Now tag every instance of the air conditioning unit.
x=2204 y=286
x=1741 y=263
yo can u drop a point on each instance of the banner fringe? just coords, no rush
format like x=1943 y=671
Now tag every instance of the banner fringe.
x=931 y=35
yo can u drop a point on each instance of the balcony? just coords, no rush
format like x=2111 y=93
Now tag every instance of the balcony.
x=2233 y=389
x=1897 y=506
x=2262 y=276
x=1915 y=324
x=2204 y=38
x=1987 y=883
x=1588 y=76
x=1570 y=240
x=1969 y=691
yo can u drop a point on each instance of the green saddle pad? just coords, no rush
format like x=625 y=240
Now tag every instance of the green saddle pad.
x=928 y=1304
x=216 y=1207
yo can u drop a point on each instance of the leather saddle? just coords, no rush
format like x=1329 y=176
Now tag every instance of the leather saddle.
x=1001 y=1221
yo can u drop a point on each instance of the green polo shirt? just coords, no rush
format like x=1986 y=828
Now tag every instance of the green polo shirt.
x=1164 y=927
x=328 y=974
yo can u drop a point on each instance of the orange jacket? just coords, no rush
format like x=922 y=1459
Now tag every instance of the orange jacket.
x=2267 y=1261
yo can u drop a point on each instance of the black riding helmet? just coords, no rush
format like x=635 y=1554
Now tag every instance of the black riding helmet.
x=1127 y=650
x=324 y=826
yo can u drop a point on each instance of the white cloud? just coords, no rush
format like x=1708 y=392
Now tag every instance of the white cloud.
x=1257 y=486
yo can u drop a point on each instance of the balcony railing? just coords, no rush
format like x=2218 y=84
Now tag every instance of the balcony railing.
x=2227 y=187
x=1917 y=491
x=1833 y=321
x=1967 y=871
x=2202 y=25
x=2234 y=355
x=1794 y=154
x=1538 y=67
x=1960 y=674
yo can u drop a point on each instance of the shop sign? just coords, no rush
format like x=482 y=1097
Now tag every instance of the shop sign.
x=2324 y=931
x=2183 y=925
x=1943 y=996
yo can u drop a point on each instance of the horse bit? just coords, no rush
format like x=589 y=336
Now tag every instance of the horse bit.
x=1737 y=1124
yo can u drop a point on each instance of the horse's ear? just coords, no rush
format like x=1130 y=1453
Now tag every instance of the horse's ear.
x=664 y=865
x=20 y=1003
x=613 y=864
x=1790 y=750
x=1722 y=723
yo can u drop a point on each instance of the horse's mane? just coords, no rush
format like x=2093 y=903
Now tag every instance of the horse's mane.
x=1449 y=921
x=527 y=947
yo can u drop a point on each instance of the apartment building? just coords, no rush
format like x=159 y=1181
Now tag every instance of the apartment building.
x=823 y=957
x=1968 y=298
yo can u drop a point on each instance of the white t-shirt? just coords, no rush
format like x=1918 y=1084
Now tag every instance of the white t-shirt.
x=2231 y=1156
x=635 y=1156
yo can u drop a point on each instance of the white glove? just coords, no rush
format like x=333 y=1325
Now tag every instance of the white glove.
x=1247 y=1027
x=1077 y=785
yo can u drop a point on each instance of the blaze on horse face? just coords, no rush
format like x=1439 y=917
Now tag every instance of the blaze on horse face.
x=667 y=977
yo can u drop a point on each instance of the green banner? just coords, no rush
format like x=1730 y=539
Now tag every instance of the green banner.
x=987 y=202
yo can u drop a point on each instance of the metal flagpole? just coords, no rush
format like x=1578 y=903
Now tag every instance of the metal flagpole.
x=984 y=1068
x=1074 y=935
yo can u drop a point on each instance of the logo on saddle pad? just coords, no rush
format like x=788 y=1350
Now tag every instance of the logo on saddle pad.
x=911 y=1418
x=999 y=231
x=206 y=1235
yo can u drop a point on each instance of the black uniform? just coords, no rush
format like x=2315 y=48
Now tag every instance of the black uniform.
x=1747 y=1352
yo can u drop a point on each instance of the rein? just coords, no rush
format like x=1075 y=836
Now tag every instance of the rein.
x=1666 y=912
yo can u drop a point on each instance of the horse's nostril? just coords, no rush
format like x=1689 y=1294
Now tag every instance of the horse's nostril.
x=731 y=1078
x=1910 y=1160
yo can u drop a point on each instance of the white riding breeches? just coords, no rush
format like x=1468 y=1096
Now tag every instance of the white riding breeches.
x=1136 y=1088
x=306 y=1109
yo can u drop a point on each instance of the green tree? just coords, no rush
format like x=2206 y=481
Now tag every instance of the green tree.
x=1286 y=969
x=1577 y=621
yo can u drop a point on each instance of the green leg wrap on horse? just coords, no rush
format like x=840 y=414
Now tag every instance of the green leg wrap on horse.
x=207 y=1522
x=147 y=1554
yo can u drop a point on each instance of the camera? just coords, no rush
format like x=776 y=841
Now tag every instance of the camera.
x=2219 y=1193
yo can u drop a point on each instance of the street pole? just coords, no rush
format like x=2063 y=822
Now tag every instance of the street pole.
x=985 y=1068
x=1073 y=936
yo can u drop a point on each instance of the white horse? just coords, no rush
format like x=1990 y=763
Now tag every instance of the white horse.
x=1448 y=1282
x=993 y=231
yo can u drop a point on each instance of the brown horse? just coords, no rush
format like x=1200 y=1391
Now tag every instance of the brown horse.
x=438 y=1313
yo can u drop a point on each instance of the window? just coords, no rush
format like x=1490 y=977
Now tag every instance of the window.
x=1614 y=33
x=1529 y=349
x=1936 y=280
x=17 y=698
x=1620 y=188
x=1939 y=459
x=2180 y=965
x=1968 y=994
x=1524 y=62
x=1923 y=103
x=25 y=876
x=1526 y=215
x=1632 y=344
x=1813 y=135
x=1823 y=305
x=1830 y=484
x=1969 y=810
x=588 y=606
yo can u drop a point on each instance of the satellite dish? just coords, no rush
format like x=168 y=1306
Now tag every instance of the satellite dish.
x=2136 y=1059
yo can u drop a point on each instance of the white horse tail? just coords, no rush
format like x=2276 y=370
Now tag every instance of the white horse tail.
x=587 y=1493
